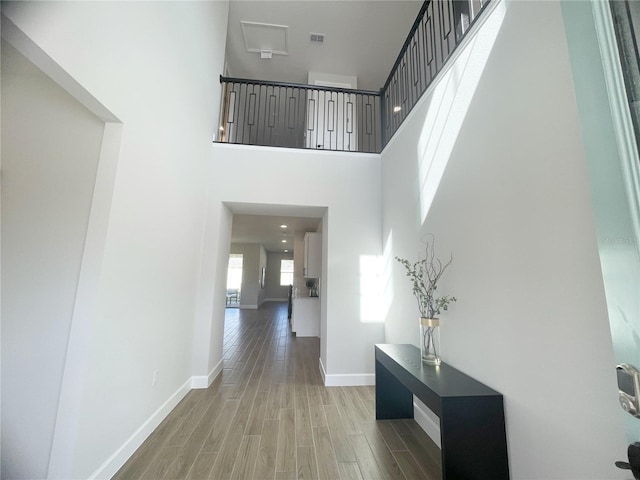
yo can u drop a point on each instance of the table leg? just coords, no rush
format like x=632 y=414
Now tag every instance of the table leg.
x=393 y=400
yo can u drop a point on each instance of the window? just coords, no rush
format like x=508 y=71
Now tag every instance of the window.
x=234 y=273
x=286 y=272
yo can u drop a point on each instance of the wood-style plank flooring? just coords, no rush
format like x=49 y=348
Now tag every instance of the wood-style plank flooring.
x=269 y=416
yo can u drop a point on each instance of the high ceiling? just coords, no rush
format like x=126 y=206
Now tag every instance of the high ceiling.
x=261 y=223
x=268 y=231
x=361 y=38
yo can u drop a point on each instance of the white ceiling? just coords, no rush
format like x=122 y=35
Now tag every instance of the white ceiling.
x=362 y=38
x=260 y=223
x=266 y=230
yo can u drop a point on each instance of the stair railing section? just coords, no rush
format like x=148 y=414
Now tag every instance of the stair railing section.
x=299 y=116
x=438 y=29
x=295 y=115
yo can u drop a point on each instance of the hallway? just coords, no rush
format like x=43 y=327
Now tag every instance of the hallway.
x=268 y=416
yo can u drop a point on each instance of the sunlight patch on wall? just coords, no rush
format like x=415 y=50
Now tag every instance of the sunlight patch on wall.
x=387 y=275
x=376 y=287
x=450 y=102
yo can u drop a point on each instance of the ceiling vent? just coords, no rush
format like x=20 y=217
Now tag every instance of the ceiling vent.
x=317 y=38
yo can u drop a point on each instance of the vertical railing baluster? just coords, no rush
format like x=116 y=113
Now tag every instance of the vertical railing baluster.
x=241 y=115
x=265 y=113
x=316 y=136
x=436 y=33
x=293 y=115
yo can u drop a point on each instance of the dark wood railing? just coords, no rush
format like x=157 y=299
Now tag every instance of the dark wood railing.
x=325 y=118
x=437 y=31
x=299 y=116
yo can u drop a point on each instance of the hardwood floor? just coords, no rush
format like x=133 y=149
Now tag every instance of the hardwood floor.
x=268 y=416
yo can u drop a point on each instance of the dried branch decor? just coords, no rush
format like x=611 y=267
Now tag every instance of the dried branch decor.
x=424 y=275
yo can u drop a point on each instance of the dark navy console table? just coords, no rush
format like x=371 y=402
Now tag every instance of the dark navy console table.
x=472 y=427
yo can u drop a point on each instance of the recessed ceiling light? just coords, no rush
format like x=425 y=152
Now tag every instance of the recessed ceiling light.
x=283 y=226
x=284 y=241
x=286 y=251
x=397 y=108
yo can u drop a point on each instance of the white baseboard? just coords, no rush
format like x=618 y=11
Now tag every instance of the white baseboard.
x=346 y=379
x=322 y=372
x=203 y=381
x=349 y=379
x=276 y=299
x=427 y=420
x=109 y=468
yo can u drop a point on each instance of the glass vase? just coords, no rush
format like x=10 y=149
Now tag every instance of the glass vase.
x=430 y=341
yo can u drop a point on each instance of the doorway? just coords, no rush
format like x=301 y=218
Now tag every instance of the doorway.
x=234 y=280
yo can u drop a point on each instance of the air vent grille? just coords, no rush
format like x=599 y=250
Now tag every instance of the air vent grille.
x=317 y=38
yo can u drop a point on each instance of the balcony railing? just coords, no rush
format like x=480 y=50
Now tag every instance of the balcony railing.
x=437 y=31
x=326 y=118
x=300 y=116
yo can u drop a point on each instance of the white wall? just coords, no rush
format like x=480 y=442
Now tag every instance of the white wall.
x=50 y=149
x=156 y=66
x=324 y=319
x=349 y=185
x=250 y=290
x=514 y=208
x=273 y=289
x=207 y=354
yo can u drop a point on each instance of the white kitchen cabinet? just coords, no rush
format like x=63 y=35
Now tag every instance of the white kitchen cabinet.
x=305 y=318
x=312 y=255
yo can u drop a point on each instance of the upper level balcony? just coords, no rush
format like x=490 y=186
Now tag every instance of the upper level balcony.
x=322 y=117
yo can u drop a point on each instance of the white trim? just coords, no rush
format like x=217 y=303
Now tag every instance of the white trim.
x=427 y=420
x=349 y=379
x=346 y=379
x=204 y=381
x=200 y=382
x=249 y=306
x=322 y=371
x=325 y=83
x=307 y=151
x=268 y=26
x=122 y=454
x=86 y=296
x=28 y=48
x=276 y=299
x=65 y=434
x=620 y=114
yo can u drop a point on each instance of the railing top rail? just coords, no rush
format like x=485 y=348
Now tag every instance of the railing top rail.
x=296 y=85
x=406 y=43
